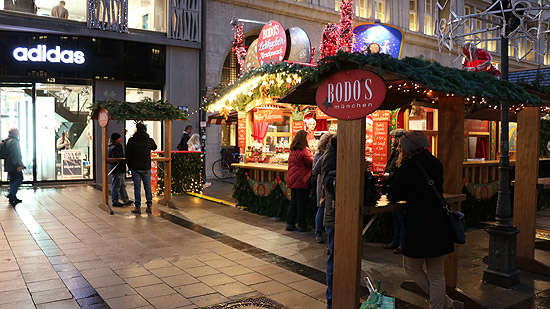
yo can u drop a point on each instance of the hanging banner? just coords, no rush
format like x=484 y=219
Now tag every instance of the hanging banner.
x=381 y=116
x=71 y=163
x=474 y=125
x=320 y=115
x=297 y=126
x=241 y=124
x=351 y=94
x=154 y=173
x=271 y=43
x=268 y=115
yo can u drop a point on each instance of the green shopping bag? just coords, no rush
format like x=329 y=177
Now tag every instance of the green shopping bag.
x=378 y=300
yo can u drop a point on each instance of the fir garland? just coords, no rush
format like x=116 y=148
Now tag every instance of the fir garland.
x=146 y=109
x=186 y=173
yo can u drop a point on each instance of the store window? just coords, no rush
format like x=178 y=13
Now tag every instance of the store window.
x=337 y=5
x=428 y=19
x=64 y=142
x=380 y=10
x=479 y=27
x=16 y=112
x=73 y=9
x=467 y=23
x=421 y=118
x=147 y=15
x=230 y=69
x=154 y=128
x=413 y=22
x=361 y=8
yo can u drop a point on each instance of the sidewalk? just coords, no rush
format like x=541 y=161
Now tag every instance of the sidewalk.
x=59 y=250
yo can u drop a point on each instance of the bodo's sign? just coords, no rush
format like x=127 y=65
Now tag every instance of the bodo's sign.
x=271 y=43
x=103 y=117
x=351 y=94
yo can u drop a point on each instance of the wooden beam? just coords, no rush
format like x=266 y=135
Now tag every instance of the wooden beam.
x=104 y=166
x=527 y=171
x=349 y=199
x=449 y=150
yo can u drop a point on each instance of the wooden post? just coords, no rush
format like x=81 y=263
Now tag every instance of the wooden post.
x=349 y=199
x=168 y=164
x=449 y=150
x=105 y=170
x=527 y=172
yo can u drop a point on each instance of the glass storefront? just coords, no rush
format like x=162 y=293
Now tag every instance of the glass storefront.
x=147 y=15
x=154 y=128
x=59 y=110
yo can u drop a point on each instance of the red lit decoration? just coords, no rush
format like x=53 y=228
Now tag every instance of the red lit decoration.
x=477 y=59
x=346 y=25
x=238 y=44
x=312 y=55
x=329 y=42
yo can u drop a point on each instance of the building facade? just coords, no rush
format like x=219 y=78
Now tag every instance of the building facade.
x=59 y=57
x=416 y=18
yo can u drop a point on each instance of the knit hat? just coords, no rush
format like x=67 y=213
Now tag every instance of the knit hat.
x=115 y=136
x=414 y=140
x=398 y=132
x=141 y=127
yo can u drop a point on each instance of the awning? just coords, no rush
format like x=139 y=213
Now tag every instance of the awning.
x=219 y=119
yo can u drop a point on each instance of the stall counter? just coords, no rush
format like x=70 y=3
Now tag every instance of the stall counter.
x=264 y=171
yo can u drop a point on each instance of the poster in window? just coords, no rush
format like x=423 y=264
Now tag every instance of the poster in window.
x=71 y=163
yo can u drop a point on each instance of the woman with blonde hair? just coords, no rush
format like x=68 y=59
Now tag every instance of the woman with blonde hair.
x=427 y=238
x=298 y=175
x=194 y=143
x=315 y=173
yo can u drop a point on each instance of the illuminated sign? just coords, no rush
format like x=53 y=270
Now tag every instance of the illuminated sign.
x=388 y=38
x=271 y=43
x=40 y=53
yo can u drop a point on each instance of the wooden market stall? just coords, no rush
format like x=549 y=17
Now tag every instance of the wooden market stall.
x=421 y=81
x=146 y=110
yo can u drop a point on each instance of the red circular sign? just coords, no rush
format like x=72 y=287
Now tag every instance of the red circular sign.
x=271 y=43
x=351 y=94
x=103 y=117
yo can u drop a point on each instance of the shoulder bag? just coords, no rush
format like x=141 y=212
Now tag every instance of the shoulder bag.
x=455 y=218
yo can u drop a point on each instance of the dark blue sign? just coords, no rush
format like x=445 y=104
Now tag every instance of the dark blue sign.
x=389 y=38
x=185 y=109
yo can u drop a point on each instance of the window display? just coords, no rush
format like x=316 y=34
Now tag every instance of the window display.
x=154 y=128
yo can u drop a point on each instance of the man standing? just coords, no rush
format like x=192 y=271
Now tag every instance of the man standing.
x=13 y=164
x=138 y=158
x=185 y=138
x=60 y=11
x=117 y=171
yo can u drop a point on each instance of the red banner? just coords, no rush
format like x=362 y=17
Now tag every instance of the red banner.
x=271 y=43
x=268 y=115
x=381 y=116
x=351 y=94
x=474 y=125
x=297 y=126
x=241 y=125
x=380 y=146
x=320 y=115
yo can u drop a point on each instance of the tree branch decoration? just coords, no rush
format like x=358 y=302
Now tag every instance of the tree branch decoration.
x=330 y=41
x=146 y=109
x=346 y=25
x=238 y=45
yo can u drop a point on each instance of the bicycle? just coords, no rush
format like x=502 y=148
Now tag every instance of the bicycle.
x=222 y=168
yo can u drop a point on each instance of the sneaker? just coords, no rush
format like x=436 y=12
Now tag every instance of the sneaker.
x=291 y=228
x=136 y=210
x=148 y=210
x=128 y=202
x=117 y=204
x=207 y=184
x=319 y=239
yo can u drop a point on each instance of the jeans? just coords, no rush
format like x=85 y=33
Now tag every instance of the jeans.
x=431 y=282
x=118 y=188
x=15 y=178
x=319 y=221
x=330 y=266
x=297 y=208
x=138 y=176
x=398 y=228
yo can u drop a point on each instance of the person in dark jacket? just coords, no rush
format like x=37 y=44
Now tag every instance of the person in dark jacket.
x=117 y=171
x=387 y=179
x=328 y=178
x=316 y=171
x=427 y=240
x=300 y=161
x=138 y=158
x=182 y=146
x=13 y=164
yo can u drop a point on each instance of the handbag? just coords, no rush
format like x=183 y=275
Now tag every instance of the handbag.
x=455 y=218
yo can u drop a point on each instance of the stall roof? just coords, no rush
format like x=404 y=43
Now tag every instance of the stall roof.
x=415 y=79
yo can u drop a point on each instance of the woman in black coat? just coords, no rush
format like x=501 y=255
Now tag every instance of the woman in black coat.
x=427 y=239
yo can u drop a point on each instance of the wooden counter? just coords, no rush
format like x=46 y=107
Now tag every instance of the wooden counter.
x=384 y=205
x=264 y=171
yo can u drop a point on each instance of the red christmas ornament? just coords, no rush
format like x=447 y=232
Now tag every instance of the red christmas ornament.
x=312 y=55
x=329 y=42
x=238 y=44
x=346 y=25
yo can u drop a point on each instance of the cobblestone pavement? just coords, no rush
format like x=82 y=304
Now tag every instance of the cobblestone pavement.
x=58 y=249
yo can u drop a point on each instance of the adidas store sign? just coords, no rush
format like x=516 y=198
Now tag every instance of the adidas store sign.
x=41 y=54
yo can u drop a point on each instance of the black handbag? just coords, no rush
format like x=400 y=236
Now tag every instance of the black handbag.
x=455 y=218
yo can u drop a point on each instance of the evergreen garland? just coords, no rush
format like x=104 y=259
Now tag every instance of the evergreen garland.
x=146 y=109
x=186 y=173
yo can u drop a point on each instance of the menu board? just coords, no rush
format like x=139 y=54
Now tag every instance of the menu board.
x=297 y=126
x=241 y=124
x=380 y=146
x=71 y=163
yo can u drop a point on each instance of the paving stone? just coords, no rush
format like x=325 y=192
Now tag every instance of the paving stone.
x=131 y=301
x=51 y=296
x=157 y=264
x=97 y=272
x=252 y=278
x=132 y=272
x=156 y=290
x=270 y=287
x=45 y=285
x=220 y=263
x=116 y=291
x=201 y=271
x=88 y=301
x=25 y=304
x=287 y=277
x=169 y=301
x=14 y=296
x=209 y=300
x=11 y=285
x=142 y=281
x=40 y=276
x=193 y=290
x=232 y=289
x=235 y=270
x=216 y=279
x=83 y=292
x=307 y=286
x=180 y=280
x=167 y=271
x=76 y=283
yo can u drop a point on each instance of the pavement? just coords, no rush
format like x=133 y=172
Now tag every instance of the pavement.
x=58 y=249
